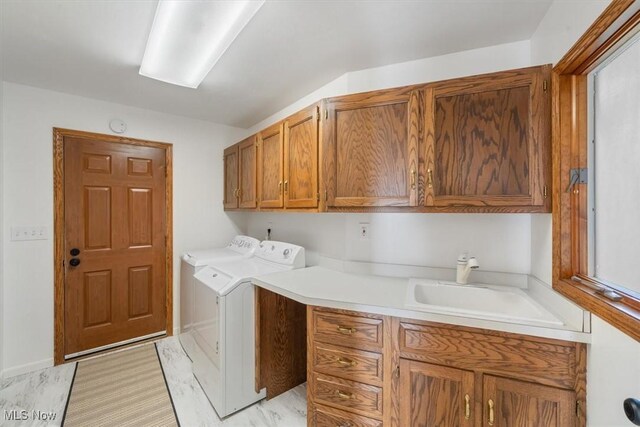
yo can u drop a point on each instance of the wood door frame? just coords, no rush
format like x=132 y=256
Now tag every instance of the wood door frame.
x=59 y=227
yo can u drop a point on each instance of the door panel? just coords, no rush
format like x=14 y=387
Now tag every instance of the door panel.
x=271 y=167
x=371 y=149
x=486 y=139
x=247 y=162
x=519 y=403
x=115 y=215
x=436 y=396
x=231 y=177
x=301 y=159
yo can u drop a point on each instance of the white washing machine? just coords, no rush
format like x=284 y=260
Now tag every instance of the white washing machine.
x=224 y=324
x=192 y=262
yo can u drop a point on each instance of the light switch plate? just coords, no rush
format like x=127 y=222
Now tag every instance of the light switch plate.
x=21 y=233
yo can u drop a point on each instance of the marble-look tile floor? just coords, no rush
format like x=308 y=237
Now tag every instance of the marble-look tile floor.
x=47 y=391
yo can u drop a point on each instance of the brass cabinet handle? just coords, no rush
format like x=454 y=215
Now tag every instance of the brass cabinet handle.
x=491 y=414
x=413 y=179
x=344 y=395
x=429 y=178
x=346 y=330
x=346 y=361
x=467 y=407
x=286 y=186
x=280 y=187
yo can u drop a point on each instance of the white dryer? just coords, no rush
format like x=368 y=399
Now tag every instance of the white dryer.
x=224 y=324
x=192 y=262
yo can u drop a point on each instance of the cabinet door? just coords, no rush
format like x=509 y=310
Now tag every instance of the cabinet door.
x=435 y=396
x=370 y=149
x=247 y=174
x=510 y=403
x=230 y=159
x=271 y=167
x=487 y=140
x=301 y=159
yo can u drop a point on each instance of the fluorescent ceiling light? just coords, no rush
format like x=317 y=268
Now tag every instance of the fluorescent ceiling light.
x=188 y=37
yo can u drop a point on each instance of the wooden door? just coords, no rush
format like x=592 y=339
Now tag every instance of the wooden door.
x=115 y=219
x=231 y=188
x=301 y=159
x=370 y=149
x=435 y=396
x=247 y=161
x=487 y=140
x=510 y=403
x=271 y=167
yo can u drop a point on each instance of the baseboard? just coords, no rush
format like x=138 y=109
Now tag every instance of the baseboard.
x=27 y=367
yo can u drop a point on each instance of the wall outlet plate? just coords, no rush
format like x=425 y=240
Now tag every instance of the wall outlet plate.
x=364 y=230
x=21 y=233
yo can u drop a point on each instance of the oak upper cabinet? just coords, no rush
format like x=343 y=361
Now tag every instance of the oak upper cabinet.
x=435 y=395
x=487 y=141
x=518 y=403
x=301 y=159
x=247 y=182
x=230 y=159
x=370 y=149
x=271 y=167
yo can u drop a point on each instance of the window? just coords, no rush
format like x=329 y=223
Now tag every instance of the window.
x=596 y=186
x=614 y=165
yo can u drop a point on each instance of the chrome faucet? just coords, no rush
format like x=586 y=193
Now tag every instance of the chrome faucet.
x=465 y=265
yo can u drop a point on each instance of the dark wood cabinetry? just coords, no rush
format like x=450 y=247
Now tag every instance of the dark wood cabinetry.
x=487 y=141
x=370 y=149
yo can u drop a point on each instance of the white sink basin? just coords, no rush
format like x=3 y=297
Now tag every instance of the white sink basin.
x=501 y=303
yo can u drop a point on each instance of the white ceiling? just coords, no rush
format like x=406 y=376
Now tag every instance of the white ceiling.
x=291 y=47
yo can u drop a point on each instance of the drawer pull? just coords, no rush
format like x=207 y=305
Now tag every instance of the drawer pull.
x=491 y=415
x=467 y=407
x=347 y=331
x=344 y=395
x=346 y=362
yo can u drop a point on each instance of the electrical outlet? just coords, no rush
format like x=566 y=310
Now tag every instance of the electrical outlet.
x=29 y=233
x=364 y=230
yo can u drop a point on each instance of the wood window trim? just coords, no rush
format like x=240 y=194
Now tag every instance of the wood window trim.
x=59 y=221
x=569 y=139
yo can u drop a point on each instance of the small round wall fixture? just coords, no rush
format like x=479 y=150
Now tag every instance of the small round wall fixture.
x=118 y=126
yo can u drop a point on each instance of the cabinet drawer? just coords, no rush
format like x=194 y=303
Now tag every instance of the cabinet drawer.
x=329 y=417
x=351 y=364
x=352 y=396
x=348 y=330
x=539 y=360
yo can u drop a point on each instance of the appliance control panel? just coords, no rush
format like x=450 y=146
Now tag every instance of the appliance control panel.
x=243 y=244
x=281 y=253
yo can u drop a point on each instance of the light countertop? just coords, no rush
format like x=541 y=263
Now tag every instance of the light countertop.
x=324 y=287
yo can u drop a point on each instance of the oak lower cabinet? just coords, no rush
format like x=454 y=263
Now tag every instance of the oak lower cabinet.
x=488 y=141
x=371 y=370
x=370 y=149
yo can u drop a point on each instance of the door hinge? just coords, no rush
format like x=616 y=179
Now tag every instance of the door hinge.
x=544 y=191
x=318 y=113
x=397 y=371
x=326 y=114
x=217 y=347
x=578 y=408
x=545 y=85
x=577 y=176
x=318 y=196
x=326 y=195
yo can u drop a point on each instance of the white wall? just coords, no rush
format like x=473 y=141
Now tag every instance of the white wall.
x=29 y=115
x=501 y=242
x=613 y=371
